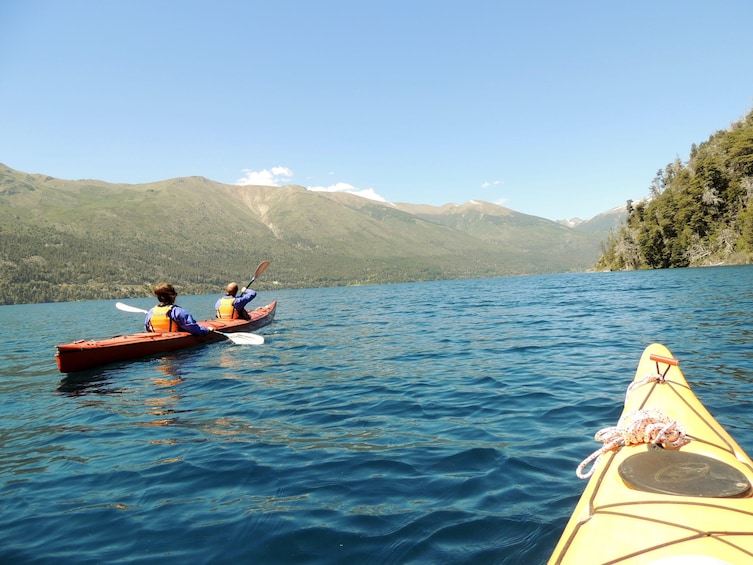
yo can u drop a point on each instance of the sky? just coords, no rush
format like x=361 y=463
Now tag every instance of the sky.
x=558 y=109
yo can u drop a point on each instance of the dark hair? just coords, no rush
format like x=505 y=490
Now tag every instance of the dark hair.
x=165 y=293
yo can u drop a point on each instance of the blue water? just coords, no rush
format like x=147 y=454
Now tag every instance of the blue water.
x=432 y=422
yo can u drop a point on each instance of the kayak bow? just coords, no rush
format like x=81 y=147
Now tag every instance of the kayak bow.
x=670 y=485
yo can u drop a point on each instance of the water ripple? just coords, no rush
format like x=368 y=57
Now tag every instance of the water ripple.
x=423 y=423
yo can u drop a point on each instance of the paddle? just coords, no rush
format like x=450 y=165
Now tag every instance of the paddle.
x=241 y=338
x=259 y=270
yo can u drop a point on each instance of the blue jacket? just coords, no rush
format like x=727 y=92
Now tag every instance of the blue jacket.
x=240 y=302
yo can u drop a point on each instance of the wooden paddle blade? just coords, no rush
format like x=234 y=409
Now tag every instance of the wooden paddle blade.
x=244 y=338
x=259 y=270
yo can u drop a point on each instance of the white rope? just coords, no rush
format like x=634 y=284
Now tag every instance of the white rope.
x=655 y=378
x=649 y=425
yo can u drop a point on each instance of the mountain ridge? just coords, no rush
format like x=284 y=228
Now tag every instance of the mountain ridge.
x=88 y=239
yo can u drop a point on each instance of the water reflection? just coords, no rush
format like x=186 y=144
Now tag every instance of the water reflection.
x=162 y=397
x=165 y=404
x=95 y=381
x=230 y=359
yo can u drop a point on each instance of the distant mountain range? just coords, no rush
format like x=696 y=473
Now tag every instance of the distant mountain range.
x=63 y=240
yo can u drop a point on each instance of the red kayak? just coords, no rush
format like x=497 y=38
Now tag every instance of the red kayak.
x=81 y=355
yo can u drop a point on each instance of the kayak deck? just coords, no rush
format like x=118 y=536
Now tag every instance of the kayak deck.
x=86 y=354
x=647 y=504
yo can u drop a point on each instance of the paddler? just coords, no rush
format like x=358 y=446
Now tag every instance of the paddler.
x=168 y=317
x=232 y=306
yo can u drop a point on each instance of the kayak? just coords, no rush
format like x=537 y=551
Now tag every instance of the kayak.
x=669 y=485
x=83 y=354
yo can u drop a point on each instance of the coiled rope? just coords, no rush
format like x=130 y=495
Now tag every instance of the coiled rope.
x=649 y=425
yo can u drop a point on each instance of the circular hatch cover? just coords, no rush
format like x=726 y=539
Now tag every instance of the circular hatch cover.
x=680 y=473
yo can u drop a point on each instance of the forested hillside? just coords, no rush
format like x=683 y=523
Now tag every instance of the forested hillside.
x=698 y=213
x=63 y=240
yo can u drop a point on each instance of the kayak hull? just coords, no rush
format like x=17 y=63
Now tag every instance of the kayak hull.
x=663 y=517
x=83 y=355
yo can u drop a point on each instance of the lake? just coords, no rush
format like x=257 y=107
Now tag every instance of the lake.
x=436 y=422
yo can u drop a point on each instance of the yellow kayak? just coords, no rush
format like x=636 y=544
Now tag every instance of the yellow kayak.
x=669 y=486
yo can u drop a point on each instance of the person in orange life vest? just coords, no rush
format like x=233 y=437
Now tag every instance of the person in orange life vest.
x=167 y=317
x=232 y=307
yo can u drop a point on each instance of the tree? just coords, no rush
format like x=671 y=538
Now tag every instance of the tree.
x=699 y=213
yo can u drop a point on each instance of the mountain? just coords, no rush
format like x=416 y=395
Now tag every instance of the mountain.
x=604 y=222
x=549 y=246
x=63 y=240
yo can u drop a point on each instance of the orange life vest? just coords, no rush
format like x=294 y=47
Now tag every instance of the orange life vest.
x=226 y=309
x=161 y=322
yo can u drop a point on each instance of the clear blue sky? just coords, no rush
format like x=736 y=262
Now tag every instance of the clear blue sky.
x=552 y=108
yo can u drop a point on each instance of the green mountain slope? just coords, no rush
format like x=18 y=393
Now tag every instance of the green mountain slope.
x=64 y=240
x=542 y=242
x=604 y=222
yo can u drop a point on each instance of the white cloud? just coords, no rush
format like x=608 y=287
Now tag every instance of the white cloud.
x=266 y=177
x=277 y=176
x=487 y=184
x=350 y=189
